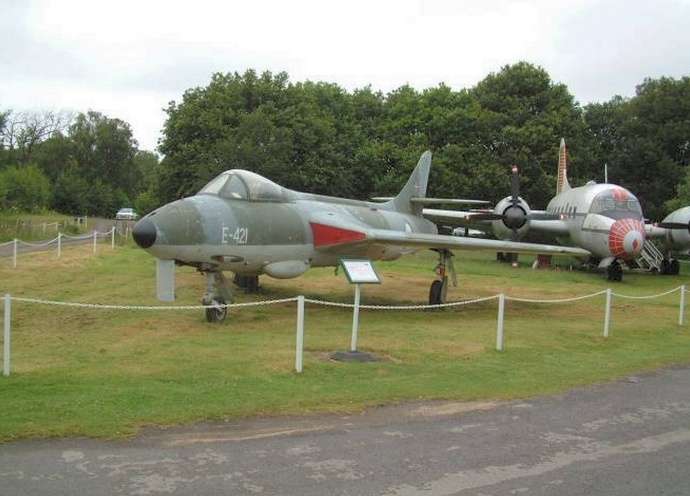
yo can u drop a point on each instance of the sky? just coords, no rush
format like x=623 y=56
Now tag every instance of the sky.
x=128 y=59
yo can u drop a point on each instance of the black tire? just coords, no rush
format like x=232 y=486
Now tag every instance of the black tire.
x=435 y=293
x=217 y=315
x=615 y=272
x=251 y=284
x=665 y=268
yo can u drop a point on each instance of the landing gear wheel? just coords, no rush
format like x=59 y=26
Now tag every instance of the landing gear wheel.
x=435 y=293
x=251 y=284
x=216 y=314
x=674 y=267
x=665 y=268
x=615 y=272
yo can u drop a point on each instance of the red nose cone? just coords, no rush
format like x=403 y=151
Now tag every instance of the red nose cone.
x=626 y=238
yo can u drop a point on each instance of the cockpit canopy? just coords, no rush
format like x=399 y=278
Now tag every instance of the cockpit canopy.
x=238 y=184
x=616 y=203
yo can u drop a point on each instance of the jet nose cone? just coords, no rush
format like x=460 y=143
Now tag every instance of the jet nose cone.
x=626 y=238
x=144 y=233
x=632 y=242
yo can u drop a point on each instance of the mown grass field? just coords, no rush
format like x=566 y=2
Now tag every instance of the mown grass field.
x=107 y=373
x=29 y=227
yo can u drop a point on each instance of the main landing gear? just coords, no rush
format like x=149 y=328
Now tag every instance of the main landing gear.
x=669 y=267
x=614 y=271
x=439 y=288
x=250 y=284
x=218 y=295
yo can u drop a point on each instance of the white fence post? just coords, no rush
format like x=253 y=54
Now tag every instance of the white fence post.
x=299 y=351
x=355 y=319
x=112 y=238
x=59 y=244
x=14 y=254
x=607 y=312
x=94 y=241
x=499 y=322
x=6 y=337
x=681 y=313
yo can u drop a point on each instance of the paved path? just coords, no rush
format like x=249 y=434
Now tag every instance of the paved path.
x=626 y=438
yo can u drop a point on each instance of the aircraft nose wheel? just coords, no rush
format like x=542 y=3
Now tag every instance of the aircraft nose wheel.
x=216 y=313
x=436 y=293
x=615 y=272
x=674 y=267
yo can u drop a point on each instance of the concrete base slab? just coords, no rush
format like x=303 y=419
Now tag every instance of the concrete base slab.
x=354 y=356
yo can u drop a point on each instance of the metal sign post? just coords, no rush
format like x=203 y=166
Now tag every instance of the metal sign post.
x=355 y=318
x=358 y=272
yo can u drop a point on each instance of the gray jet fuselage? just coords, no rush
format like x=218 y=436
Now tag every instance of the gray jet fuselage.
x=282 y=234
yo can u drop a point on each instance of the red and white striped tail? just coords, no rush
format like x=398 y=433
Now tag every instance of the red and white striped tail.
x=562 y=181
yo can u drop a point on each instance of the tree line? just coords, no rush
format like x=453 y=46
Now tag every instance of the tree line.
x=319 y=137
x=83 y=164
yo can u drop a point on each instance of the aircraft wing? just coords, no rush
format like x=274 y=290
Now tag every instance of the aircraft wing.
x=332 y=236
x=540 y=220
x=654 y=231
x=418 y=240
x=456 y=218
x=555 y=226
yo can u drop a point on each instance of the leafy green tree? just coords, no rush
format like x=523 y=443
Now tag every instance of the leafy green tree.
x=646 y=141
x=24 y=188
x=149 y=168
x=104 y=148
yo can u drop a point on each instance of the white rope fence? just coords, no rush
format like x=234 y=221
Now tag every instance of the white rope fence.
x=301 y=301
x=94 y=236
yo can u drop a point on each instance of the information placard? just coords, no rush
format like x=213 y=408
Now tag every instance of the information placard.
x=360 y=271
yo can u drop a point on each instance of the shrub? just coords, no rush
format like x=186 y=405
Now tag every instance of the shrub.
x=24 y=188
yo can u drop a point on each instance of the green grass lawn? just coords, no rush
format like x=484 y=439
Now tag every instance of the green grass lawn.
x=107 y=373
x=30 y=227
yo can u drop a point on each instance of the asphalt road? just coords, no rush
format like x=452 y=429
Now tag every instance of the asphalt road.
x=626 y=438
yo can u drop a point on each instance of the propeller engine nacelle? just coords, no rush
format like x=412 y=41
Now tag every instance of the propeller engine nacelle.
x=515 y=222
x=678 y=228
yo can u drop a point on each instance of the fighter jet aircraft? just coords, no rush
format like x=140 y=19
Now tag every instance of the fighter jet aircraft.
x=606 y=220
x=247 y=224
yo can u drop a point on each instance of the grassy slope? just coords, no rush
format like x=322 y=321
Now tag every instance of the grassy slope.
x=32 y=229
x=104 y=373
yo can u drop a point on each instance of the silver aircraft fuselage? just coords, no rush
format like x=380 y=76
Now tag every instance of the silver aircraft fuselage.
x=605 y=219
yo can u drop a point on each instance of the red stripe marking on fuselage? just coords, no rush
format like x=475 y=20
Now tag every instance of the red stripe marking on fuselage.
x=328 y=235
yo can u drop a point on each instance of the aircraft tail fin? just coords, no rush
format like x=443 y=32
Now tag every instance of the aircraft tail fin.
x=414 y=188
x=562 y=180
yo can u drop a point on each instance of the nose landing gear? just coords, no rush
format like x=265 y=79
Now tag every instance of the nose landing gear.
x=217 y=294
x=439 y=288
x=669 y=266
x=614 y=271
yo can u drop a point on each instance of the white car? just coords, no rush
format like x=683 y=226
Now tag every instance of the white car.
x=126 y=214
